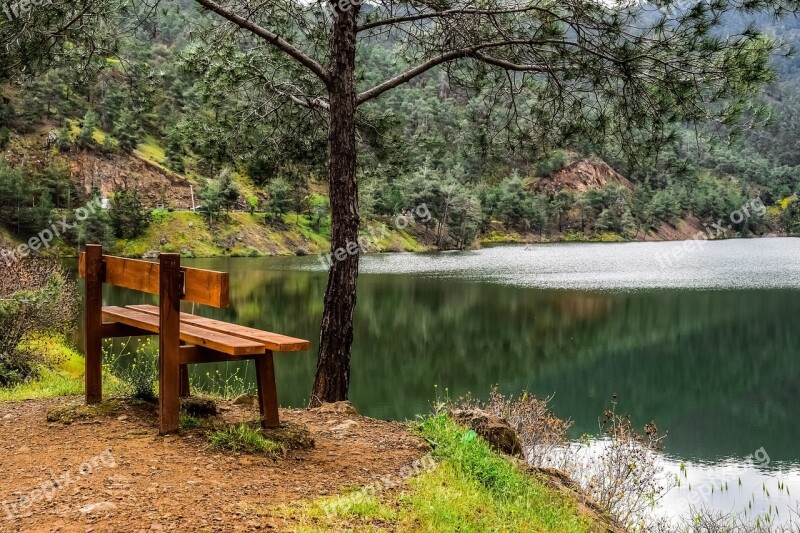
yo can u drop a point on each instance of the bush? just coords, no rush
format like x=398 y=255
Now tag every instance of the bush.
x=5 y=137
x=540 y=432
x=138 y=371
x=620 y=470
x=37 y=297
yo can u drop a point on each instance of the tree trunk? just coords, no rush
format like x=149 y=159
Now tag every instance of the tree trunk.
x=332 y=380
x=443 y=223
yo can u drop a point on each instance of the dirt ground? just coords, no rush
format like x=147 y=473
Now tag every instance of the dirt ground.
x=117 y=474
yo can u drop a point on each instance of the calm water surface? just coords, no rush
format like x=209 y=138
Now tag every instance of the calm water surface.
x=706 y=343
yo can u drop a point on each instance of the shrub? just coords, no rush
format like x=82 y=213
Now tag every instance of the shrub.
x=5 y=136
x=540 y=432
x=37 y=297
x=136 y=368
x=620 y=469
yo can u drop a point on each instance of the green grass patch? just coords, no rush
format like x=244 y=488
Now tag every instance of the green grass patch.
x=189 y=422
x=502 y=237
x=470 y=489
x=475 y=489
x=609 y=236
x=64 y=378
x=52 y=384
x=244 y=439
x=151 y=151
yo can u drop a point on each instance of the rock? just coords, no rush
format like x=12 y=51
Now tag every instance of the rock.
x=248 y=400
x=345 y=426
x=9 y=416
x=24 y=449
x=494 y=429
x=152 y=254
x=122 y=418
x=339 y=408
x=191 y=224
x=164 y=241
x=100 y=507
x=301 y=251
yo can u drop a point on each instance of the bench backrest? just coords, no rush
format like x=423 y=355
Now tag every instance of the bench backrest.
x=204 y=287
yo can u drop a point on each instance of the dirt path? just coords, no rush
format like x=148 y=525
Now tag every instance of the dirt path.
x=118 y=474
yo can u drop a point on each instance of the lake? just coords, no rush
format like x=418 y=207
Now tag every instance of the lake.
x=703 y=341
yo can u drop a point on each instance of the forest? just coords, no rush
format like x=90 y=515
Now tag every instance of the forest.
x=162 y=98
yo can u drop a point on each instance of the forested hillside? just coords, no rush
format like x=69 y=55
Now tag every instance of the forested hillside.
x=156 y=128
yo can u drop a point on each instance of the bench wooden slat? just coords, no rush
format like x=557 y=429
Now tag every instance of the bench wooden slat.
x=204 y=287
x=271 y=341
x=189 y=333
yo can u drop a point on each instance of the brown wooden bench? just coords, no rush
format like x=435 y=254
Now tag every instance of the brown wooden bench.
x=184 y=339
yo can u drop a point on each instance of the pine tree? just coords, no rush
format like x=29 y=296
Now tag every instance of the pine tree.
x=228 y=191
x=85 y=138
x=174 y=152
x=127 y=131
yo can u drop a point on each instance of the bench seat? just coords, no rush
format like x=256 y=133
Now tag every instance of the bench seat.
x=190 y=334
x=270 y=341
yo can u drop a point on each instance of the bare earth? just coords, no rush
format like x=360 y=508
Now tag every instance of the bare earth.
x=120 y=475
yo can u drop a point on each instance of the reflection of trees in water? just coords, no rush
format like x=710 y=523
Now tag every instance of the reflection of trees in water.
x=714 y=367
x=726 y=387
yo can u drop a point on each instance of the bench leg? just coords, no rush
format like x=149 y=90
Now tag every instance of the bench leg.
x=185 y=390
x=267 y=391
x=169 y=380
x=93 y=324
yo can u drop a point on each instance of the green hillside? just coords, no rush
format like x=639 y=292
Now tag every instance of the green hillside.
x=151 y=129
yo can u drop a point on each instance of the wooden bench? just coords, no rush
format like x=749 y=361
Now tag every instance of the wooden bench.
x=184 y=339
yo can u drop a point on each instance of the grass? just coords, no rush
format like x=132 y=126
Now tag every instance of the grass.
x=476 y=489
x=51 y=385
x=496 y=236
x=65 y=378
x=244 y=235
x=244 y=439
x=471 y=489
x=189 y=422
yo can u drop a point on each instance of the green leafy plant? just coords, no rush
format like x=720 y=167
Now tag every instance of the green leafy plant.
x=37 y=297
x=136 y=367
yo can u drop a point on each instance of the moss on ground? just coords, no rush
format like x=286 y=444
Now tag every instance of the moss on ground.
x=248 y=235
x=75 y=412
